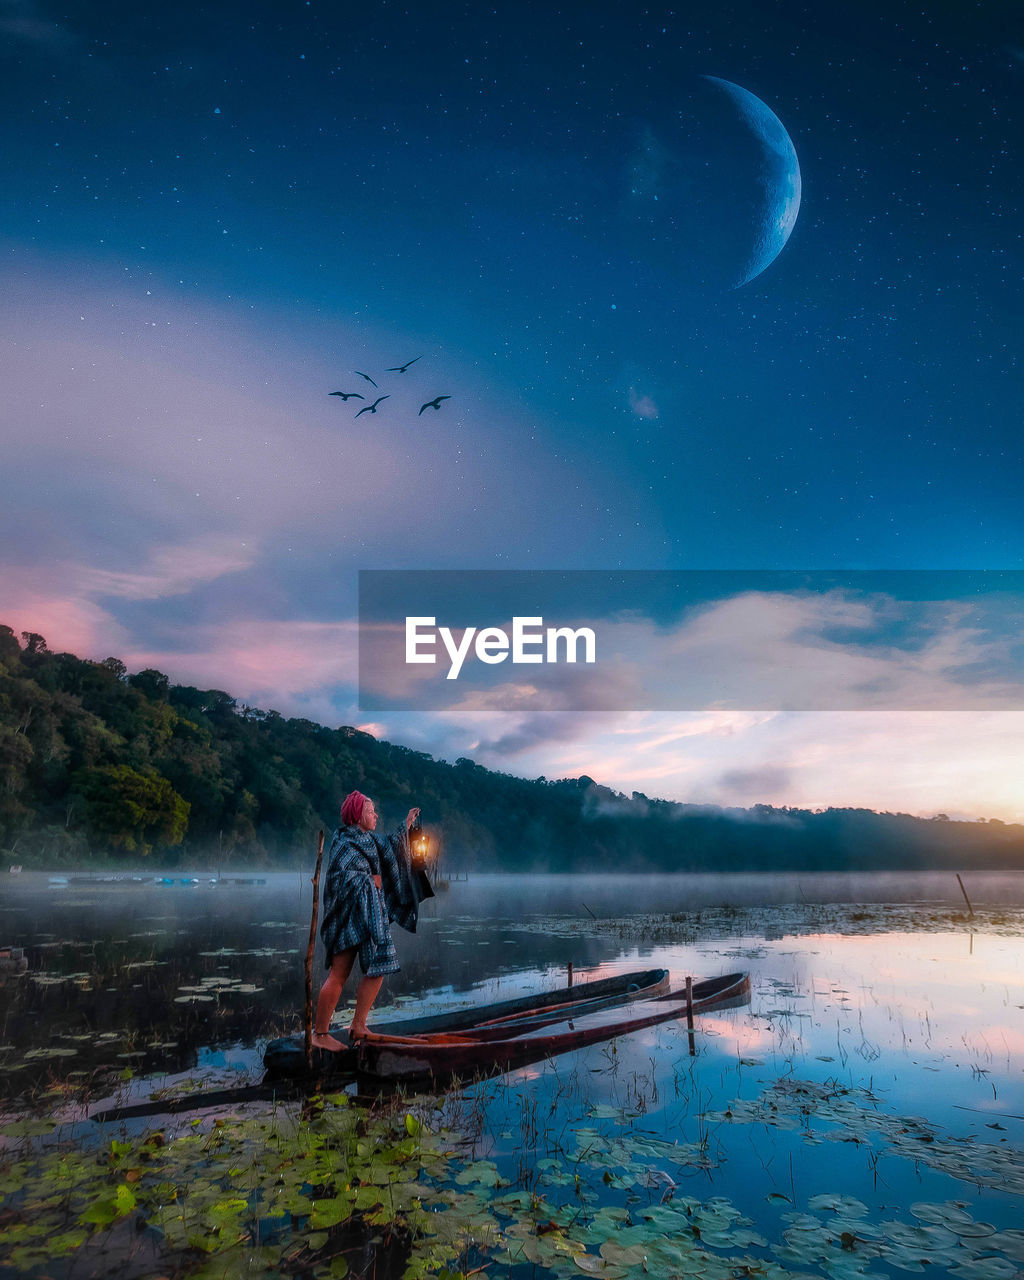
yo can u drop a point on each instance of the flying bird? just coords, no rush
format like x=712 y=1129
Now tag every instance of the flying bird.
x=433 y=404
x=347 y=395
x=367 y=377
x=372 y=408
x=401 y=368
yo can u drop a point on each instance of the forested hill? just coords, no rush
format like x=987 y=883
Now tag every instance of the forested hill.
x=97 y=764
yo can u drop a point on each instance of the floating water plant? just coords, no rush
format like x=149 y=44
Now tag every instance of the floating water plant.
x=787 y=1104
x=304 y=1184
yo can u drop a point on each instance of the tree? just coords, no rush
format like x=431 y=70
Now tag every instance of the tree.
x=132 y=810
x=10 y=650
x=15 y=760
x=151 y=684
x=137 y=763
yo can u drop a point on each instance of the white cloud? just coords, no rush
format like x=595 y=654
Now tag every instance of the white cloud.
x=642 y=405
x=169 y=570
x=921 y=762
x=24 y=21
x=754 y=650
x=920 y=740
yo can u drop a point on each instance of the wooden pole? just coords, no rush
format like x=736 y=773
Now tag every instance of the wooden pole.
x=309 y=952
x=570 y=973
x=689 y=1015
x=964 y=892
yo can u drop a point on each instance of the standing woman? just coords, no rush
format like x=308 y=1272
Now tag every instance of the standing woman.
x=369 y=883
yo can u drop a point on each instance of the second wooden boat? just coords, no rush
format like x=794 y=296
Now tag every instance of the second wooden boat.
x=442 y=1055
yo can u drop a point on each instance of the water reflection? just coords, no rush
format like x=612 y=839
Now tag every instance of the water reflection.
x=150 y=977
x=152 y=981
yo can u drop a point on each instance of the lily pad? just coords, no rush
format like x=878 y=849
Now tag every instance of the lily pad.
x=950 y=1214
x=1010 y=1242
x=985 y=1269
x=845 y=1206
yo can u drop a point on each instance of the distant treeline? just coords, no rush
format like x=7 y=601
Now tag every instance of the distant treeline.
x=96 y=763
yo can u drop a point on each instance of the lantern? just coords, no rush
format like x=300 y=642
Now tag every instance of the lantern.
x=419 y=845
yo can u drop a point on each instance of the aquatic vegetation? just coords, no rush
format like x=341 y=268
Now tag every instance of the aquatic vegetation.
x=299 y=1191
x=803 y=1104
x=211 y=988
x=775 y=921
x=297 y=1188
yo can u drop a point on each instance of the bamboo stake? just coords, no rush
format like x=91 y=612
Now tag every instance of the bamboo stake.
x=570 y=973
x=964 y=892
x=309 y=953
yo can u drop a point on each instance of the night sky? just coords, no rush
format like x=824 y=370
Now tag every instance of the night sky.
x=213 y=216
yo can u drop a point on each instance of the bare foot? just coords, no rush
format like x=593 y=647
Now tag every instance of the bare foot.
x=326 y=1041
x=359 y=1033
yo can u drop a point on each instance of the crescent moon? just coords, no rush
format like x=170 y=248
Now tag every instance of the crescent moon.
x=778 y=177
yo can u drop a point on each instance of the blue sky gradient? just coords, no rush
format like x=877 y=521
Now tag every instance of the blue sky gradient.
x=213 y=217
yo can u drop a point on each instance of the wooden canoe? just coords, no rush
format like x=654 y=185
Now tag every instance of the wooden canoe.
x=286 y=1056
x=442 y=1055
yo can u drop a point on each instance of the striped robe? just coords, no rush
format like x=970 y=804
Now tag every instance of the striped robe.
x=356 y=912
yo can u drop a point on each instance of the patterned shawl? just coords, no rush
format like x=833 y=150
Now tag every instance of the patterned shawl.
x=354 y=908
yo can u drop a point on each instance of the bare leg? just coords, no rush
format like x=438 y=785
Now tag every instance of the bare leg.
x=330 y=994
x=365 y=996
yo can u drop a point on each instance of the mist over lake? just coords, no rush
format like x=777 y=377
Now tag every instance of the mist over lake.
x=117 y=953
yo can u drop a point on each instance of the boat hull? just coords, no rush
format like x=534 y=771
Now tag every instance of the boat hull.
x=286 y=1056
x=440 y=1057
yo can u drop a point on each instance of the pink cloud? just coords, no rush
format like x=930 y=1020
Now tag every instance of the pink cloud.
x=260 y=660
x=67 y=625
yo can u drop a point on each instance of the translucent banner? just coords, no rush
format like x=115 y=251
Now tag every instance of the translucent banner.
x=691 y=640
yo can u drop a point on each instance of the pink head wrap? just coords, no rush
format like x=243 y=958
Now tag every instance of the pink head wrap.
x=352 y=808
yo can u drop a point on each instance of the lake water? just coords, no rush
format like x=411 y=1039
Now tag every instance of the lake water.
x=864 y=1115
